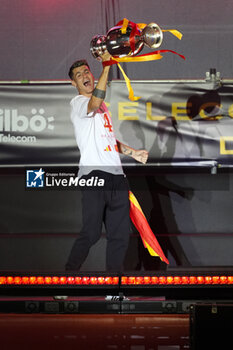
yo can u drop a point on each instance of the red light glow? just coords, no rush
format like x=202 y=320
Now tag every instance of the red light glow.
x=125 y=280
x=185 y=280
x=101 y=280
x=55 y=280
x=162 y=280
x=200 y=279
x=223 y=279
x=3 y=280
x=48 y=280
x=208 y=280
x=192 y=279
x=216 y=280
x=139 y=280
x=25 y=280
x=177 y=280
x=62 y=280
x=40 y=280
x=70 y=280
x=154 y=280
x=115 y=280
x=108 y=280
x=170 y=280
x=9 y=280
x=93 y=280
x=32 y=280
x=78 y=280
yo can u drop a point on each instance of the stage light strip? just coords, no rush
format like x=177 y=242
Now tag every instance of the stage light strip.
x=176 y=280
x=55 y=280
x=114 y=280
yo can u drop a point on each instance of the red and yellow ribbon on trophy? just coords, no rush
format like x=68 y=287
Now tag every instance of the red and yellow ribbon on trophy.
x=125 y=40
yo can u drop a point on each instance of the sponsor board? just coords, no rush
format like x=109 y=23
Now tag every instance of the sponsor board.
x=15 y=126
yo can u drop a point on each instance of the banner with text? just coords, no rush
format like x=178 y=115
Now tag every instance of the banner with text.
x=177 y=122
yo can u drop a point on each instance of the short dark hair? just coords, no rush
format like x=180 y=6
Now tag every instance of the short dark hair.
x=76 y=64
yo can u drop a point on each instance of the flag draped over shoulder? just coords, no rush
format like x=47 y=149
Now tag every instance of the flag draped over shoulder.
x=140 y=222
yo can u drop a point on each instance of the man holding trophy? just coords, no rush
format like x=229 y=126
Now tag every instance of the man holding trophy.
x=114 y=204
x=99 y=156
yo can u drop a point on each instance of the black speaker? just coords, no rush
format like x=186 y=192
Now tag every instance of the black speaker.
x=211 y=326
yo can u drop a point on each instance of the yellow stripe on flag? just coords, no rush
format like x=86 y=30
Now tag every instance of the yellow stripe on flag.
x=134 y=200
x=151 y=251
x=148 y=238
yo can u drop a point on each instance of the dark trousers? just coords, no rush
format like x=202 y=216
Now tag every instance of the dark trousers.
x=108 y=204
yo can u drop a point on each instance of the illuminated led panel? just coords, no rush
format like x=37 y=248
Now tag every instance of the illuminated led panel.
x=114 y=280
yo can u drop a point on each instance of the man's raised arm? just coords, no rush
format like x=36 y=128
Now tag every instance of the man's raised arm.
x=99 y=91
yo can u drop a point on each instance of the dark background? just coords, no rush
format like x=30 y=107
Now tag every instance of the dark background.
x=39 y=39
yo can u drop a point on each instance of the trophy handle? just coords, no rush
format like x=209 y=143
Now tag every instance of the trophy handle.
x=98 y=46
x=152 y=35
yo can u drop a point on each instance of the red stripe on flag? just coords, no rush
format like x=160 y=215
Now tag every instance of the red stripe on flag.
x=141 y=224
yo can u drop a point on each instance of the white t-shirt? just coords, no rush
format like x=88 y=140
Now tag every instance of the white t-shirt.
x=95 y=138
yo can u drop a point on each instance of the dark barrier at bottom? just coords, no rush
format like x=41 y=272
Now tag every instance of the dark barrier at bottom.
x=211 y=326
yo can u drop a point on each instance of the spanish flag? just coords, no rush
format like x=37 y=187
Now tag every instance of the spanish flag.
x=148 y=238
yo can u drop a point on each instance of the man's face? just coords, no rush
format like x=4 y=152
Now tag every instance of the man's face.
x=83 y=80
